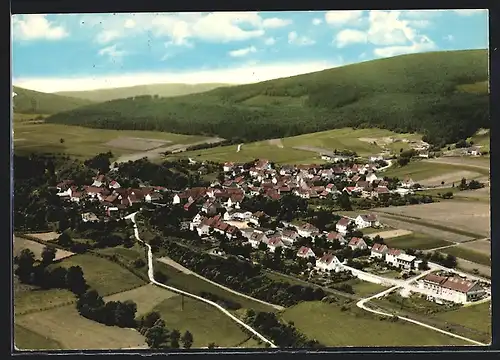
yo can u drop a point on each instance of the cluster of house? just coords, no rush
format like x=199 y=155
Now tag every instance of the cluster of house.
x=394 y=257
x=451 y=288
x=108 y=193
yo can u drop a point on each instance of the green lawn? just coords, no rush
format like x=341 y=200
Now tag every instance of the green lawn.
x=103 y=275
x=127 y=254
x=476 y=317
x=356 y=327
x=421 y=170
x=468 y=254
x=365 y=288
x=416 y=241
x=33 y=300
x=206 y=323
x=195 y=285
x=79 y=141
x=26 y=339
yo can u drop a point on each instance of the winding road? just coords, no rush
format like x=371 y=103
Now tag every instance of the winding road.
x=361 y=304
x=182 y=292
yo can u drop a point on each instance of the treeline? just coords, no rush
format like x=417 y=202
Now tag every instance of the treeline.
x=390 y=94
x=282 y=335
x=241 y=276
x=212 y=145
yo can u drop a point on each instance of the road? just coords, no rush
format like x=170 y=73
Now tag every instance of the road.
x=182 y=292
x=361 y=304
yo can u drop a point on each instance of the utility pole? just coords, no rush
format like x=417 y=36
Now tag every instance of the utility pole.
x=182 y=302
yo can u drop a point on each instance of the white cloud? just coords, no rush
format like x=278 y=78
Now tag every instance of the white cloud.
x=36 y=27
x=344 y=17
x=250 y=73
x=449 y=37
x=421 y=45
x=317 y=21
x=421 y=14
x=270 y=41
x=129 y=24
x=112 y=53
x=470 y=12
x=295 y=39
x=273 y=23
x=243 y=52
x=350 y=36
x=107 y=36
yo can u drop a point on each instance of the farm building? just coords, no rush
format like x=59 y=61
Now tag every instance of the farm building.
x=451 y=288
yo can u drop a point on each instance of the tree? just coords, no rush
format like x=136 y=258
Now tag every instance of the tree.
x=423 y=265
x=48 y=255
x=187 y=340
x=175 y=335
x=61 y=140
x=160 y=277
x=150 y=319
x=212 y=345
x=25 y=261
x=75 y=280
x=64 y=239
x=156 y=336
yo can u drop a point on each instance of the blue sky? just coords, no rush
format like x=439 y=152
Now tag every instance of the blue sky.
x=89 y=51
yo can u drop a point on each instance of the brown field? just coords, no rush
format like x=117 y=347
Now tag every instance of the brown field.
x=146 y=297
x=483 y=193
x=65 y=326
x=449 y=178
x=391 y=233
x=473 y=217
x=482 y=246
x=48 y=236
x=37 y=248
x=418 y=228
x=468 y=266
x=479 y=162
x=134 y=143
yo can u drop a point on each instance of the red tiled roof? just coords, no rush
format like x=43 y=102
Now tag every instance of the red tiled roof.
x=303 y=251
x=344 y=222
x=379 y=247
x=355 y=241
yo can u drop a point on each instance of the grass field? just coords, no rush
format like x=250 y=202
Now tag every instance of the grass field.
x=71 y=331
x=468 y=254
x=33 y=300
x=365 y=288
x=128 y=254
x=206 y=323
x=416 y=241
x=79 y=141
x=476 y=317
x=103 y=275
x=481 y=138
x=37 y=248
x=146 y=297
x=195 y=285
x=422 y=170
x=25 y=339
x=356 y=327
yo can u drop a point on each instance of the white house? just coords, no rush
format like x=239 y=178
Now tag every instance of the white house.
x=379 y=251
x=371 y=177
x=176 y=199
x=391 y=256
x=406 y=261
x=256 y=238
x=305 y=252
x=407 y=183
x=452 y=289
x=357 y=243
x=333 y=235
x=376 y=158
x=274 y=243
x=114 y=184
x=365 y=221
x=329 y=262
x=228 y=167
x=256 y=216
x=342 y=225
x=307 y=230
x=289 y=236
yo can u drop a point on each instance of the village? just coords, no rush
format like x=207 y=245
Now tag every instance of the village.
x=218 y=216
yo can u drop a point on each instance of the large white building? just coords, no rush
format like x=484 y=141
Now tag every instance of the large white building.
x=329 y=262
x=451 y=288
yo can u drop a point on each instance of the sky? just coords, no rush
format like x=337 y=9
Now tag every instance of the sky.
x=69 y=52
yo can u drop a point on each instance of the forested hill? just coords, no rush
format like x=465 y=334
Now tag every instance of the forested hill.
x=35 y=102
x=440 y=94
x=162 y=90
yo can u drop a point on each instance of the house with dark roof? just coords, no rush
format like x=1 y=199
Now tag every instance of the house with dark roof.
x=366 y=220
x=357 y=244
x=451 y=288
x=342 y=225
x=378 y=251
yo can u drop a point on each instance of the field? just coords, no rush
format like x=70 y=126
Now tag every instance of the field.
x=146 y=297
x=48 y=236
x=36 y=248
x=365 y=288
x=140 y=144
x=415 y=241
x=432 y=173
x=388 y=234
x=206 y=323
x=333 y=327
x=82 y=142
x=66 y=327
x=34 y=300
x=474 y=316
x=26 y=339
x=103 y=275
x=481 y=246
x=468 y=254
x=465 y=216
x=482 y=139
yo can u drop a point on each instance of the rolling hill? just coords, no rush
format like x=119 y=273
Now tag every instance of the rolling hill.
x=162 y=90
x=422 y=93
x=34 y=102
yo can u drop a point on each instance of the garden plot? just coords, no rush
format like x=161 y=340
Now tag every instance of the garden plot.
x=134 y=143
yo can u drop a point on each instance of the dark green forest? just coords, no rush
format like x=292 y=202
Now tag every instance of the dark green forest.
x=410 y=93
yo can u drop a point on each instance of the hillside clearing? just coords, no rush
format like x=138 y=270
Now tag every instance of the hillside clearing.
x=206 y=323
x=315 y=320
x=74 y=332
x=424 y=171
x=103 y=275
